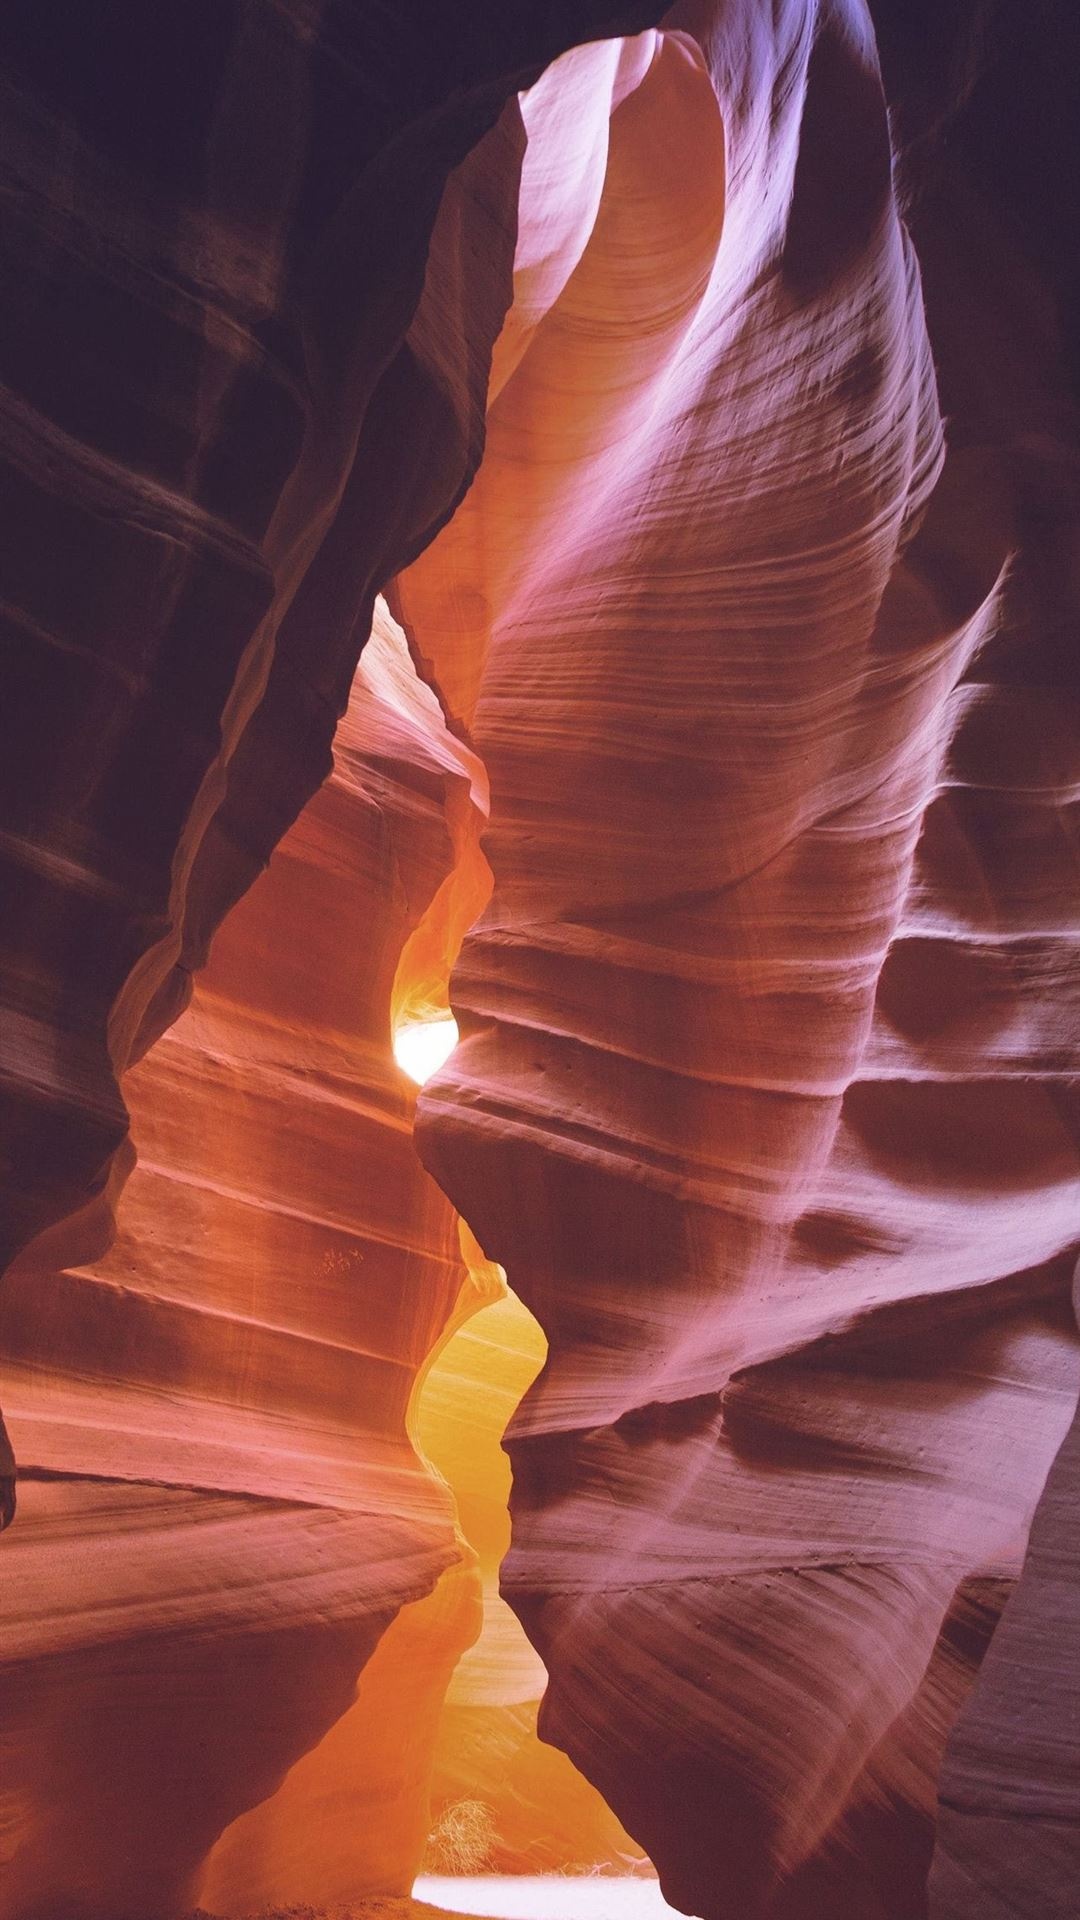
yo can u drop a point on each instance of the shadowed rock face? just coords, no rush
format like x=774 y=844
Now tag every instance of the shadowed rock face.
x=217 y=444
x=992 y=162
x=760 y=614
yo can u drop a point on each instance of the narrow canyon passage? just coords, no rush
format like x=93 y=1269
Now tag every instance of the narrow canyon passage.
x=538 y=901
x=265 y=1304
x=501 y=1802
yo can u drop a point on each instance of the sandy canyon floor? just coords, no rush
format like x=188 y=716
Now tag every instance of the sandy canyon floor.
x=547 y=1897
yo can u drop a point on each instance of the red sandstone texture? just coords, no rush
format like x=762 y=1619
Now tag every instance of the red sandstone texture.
x=220 y=1510
x=754 y=645
x=758 y=1100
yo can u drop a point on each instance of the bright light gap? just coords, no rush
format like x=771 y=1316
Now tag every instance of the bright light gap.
x=423 y=1046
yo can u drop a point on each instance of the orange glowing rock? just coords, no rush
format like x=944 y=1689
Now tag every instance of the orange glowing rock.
x=220 y=1441
x=708 y=778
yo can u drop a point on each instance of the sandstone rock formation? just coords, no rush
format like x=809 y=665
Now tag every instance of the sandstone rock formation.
x=218 y=441
x=219 y=228
x=220 y=1509
x=752 y=642
x=758 y=1100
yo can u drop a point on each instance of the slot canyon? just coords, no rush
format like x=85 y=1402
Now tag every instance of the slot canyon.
x=539 y=939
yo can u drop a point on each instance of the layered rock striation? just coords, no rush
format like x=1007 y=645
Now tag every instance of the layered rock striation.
x=762 y=1097
x=220 y=1508
x=241 y=386
x=240 y=389
x=752 y=639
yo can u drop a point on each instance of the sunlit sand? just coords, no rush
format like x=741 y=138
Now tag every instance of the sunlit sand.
x=548 y=1896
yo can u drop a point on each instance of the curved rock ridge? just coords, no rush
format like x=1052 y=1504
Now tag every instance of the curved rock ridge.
x=245 y=381
x=221 y=1509
x=753 y=639
x=762 y=1095
x=218 y=442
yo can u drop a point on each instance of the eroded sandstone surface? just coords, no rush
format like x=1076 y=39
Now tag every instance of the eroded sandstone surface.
x=701 y=397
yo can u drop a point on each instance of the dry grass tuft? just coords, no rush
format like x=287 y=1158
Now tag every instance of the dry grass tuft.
x=462 y=1840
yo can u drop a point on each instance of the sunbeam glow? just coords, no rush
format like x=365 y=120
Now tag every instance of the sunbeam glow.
x=421 y=1047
